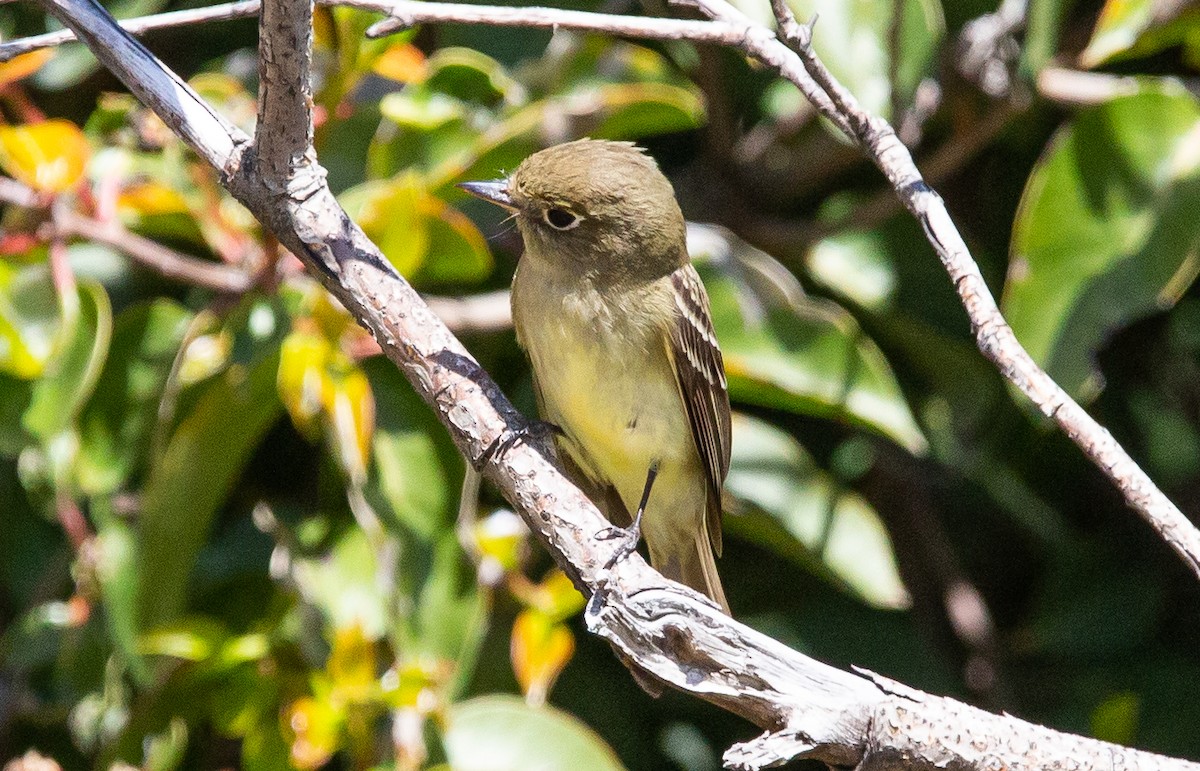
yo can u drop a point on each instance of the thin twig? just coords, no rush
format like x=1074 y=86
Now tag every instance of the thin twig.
x=137 y=26
x=161 y=259
x=474 y=314
x=406 y=13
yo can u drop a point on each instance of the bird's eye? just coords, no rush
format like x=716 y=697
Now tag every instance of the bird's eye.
x=560 y=219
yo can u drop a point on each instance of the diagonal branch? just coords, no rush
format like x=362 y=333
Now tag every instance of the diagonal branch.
x=807 y=708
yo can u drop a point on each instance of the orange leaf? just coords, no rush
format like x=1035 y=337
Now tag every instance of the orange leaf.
x=540 y=649
x=21 y=67
x=49 y=156
x=403 y=63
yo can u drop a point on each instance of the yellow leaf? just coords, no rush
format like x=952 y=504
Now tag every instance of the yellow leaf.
x=49 y=156
x=556 y=596
x=21 y=67
x=204 y=357
x=302 y=381
x=540 y=648
x=150 y=198
x=351 y=666
x=417 y=683
x=502 y=536
x=351 y=409
x=402 y=62
x=315 y=730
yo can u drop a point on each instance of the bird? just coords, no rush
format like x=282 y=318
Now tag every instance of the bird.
x=626 y=367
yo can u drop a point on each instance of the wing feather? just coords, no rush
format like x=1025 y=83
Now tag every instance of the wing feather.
x=700 y=372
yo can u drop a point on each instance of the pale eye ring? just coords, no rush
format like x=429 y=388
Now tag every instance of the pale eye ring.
x=560 y=219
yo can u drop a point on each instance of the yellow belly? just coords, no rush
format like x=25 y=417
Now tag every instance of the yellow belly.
x=608 y=383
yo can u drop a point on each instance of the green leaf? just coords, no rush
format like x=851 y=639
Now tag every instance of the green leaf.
x=203 y=458
x=784 y=350
x=635 y=110
x=812 y=518
x=502 y=733
x=470 y=76
x=344 y=584
x=117 y=422
x=416 y=471
x=29 y=320
x=72 y=373
x=1118 y=28
x=1116 y=718
x=1106 y=232
x=424 y=237
x=117 y=567
x=451 y=614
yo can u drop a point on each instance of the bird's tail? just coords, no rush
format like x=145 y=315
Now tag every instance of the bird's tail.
x=695 y=566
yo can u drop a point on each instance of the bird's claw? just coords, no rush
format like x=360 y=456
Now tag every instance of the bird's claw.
x=541 y=431
x=628 y=539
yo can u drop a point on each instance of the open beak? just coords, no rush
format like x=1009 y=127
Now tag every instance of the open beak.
x=495 y=191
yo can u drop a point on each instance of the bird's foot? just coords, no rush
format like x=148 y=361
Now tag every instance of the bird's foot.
x=628 y=539
x=540 y=431
x=629 y=536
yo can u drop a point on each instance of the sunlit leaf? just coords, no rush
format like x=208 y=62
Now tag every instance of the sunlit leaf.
x=1119 y=24
x=423 y=236
x=502 y=537
x=71 y=375
x=812 y=519
x=21 y=67
x=502 y=733
x=303 y=379
x=402 y=62
x=871 y=46
x=540 y=649
x=470 y=76
x=1106 y=232
x=555 y=596
x=344 y=585
x=351 y=665
x=49 y=156
x=29 y=320
x=415 y=472
x=148 y=198
x=417 y=683
x=315 y=728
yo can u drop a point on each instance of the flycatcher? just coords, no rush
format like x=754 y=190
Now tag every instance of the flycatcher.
x=616 y=324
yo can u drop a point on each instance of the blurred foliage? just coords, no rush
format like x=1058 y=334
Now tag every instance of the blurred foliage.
x=233 y=536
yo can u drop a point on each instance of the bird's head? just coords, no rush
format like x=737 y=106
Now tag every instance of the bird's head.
x=602 y=207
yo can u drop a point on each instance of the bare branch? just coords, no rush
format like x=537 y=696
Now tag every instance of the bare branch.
x=283 y=139
x=137 y=26
x=474 y=314
x=406 y=13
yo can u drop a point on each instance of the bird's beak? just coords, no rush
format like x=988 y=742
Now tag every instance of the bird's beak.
x=495 y=191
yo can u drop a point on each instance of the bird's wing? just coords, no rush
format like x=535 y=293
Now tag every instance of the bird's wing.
x=700 y=372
